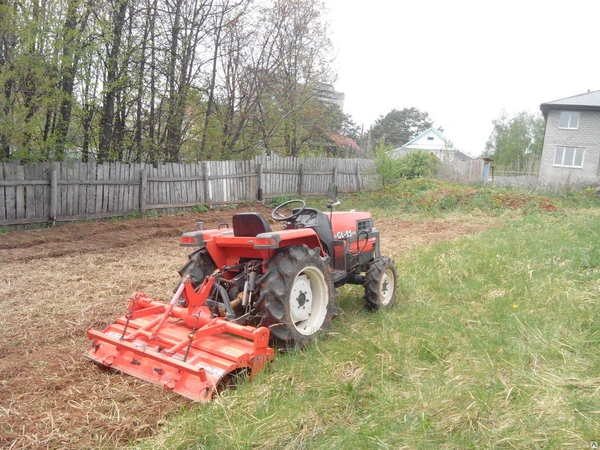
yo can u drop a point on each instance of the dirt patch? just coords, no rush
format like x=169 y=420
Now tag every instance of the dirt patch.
x=54 y=283
x=513 y=200
x=89 y=237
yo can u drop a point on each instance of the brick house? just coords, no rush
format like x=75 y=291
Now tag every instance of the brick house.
x=571 y=151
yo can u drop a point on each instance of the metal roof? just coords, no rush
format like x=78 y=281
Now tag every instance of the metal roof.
x=588 y=100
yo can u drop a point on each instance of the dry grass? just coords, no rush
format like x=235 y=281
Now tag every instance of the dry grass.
x=51 y=396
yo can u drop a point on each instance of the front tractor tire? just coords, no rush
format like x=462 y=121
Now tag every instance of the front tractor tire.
x=380 y=284
x=297 y=296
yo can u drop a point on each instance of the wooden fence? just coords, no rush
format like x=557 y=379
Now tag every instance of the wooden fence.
x=463 y=171
x=67 y=191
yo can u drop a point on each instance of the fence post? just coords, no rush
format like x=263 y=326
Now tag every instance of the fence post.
x=259 y=193
x=143 y=189
x=334 y=176
x=53 y=194
x=206 y=183
x=358 y=183
x=300 y=176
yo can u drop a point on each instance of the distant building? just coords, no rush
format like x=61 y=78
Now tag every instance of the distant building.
x=327 y=94
x=433 y=142
x=571 y=152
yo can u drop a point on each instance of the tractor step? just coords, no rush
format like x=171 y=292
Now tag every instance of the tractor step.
x=338 y=276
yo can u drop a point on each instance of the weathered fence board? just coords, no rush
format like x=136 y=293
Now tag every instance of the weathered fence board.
x=20 y=194
x=3 y=211
x=40 y=192
x=29 y=193
x=11 y=201
x=62 y=208
x=86 y=199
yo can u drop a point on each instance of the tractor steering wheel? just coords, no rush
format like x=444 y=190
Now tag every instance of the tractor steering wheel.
x=276 y=215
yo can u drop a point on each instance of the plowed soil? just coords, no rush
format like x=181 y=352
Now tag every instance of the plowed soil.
x=54 y=283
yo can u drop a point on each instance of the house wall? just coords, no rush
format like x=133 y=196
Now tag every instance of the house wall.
x=430 y=145
x=436 y=146
x=587 y=136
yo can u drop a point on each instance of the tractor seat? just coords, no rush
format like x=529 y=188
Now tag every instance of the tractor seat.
x=249 y=224
x=318 y=221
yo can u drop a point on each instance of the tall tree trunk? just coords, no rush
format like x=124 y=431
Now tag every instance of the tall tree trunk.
x=70 y=59
x=171 y=141
x=86 y=125
x=89 y=109
x=211 y=88
x=148 y=34
x=152 y=114
x=112 y=74
x=119 y=128
x=122 y=95
x=7 y=44
x=4 y=135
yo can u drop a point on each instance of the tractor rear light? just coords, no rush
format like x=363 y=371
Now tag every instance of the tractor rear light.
x=267 y=241
x=191 y=239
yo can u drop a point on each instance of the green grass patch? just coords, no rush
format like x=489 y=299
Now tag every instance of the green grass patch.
x=151 y=214
x=200 y=209
x=432 y=197
x=494 y=343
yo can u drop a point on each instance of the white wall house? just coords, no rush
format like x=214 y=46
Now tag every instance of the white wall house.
x=433 y=142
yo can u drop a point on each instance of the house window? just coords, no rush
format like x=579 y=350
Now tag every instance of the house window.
x=568 y=157
x=569 y=120
x=430 y=138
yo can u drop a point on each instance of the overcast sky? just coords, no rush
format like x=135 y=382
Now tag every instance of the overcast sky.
x=463 y=61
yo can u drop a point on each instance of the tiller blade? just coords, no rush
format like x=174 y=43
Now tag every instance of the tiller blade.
x=184 y=349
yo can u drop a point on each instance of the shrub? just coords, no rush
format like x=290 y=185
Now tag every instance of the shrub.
x=418 y=165
x=391 y=169
x=282 y=199
x=200 y=209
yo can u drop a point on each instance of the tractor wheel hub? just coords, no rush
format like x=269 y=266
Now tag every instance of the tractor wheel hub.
x=301 y=299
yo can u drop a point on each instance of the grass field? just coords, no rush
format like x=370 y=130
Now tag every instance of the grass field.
x=493 y=343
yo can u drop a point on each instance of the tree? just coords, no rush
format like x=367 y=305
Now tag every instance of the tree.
x=344 y=124
x=516 y=140
x=398 y=127
x=304 y=68
x=28 y=76
x=163 y=80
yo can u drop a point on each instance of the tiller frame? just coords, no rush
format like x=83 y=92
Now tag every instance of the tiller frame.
x=185 y=349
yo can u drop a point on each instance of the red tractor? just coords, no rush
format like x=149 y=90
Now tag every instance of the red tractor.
x=244 y=289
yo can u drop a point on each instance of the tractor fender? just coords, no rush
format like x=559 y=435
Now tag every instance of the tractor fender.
x=288 y=238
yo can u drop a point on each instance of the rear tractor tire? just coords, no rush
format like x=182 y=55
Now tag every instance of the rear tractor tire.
x=297 y=296
x=380 y=284
x=199 y=266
